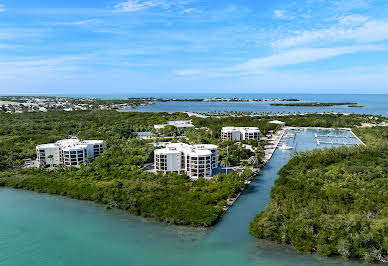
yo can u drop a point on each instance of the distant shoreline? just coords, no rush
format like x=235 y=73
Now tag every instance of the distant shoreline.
x=317 y=104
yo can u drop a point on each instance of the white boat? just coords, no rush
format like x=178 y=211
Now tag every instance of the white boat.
x=285 y=147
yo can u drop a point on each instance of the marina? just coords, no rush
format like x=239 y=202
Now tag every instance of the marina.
x=347 y=138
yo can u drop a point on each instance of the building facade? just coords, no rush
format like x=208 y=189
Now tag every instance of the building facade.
x=240 y=133
x=194 y=160
x=70 y=152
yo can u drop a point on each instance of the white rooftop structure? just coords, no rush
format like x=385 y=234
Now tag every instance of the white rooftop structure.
x=181 y=124
x=277 y=122
x=195 y=160
x=240 y=133
x=70 y=152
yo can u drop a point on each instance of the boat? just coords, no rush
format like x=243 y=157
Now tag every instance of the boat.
x=285 y=147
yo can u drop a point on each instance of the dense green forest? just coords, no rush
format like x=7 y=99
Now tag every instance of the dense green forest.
x=332 y=201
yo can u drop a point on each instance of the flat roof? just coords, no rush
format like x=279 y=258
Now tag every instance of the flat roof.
x=195 y=152
x=92 y=141
x=75 y=147
x=47 y=146
x=205 y=146
x=276 y=122
x=240 y=128
x=167 y=151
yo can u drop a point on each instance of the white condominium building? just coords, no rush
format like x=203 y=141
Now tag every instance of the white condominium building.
x=240 y=133
x=70 y=152
x=181 y=124
x=194 y=160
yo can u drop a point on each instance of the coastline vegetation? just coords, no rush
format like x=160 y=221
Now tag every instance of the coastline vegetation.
x=317 y=104
x=332 y=201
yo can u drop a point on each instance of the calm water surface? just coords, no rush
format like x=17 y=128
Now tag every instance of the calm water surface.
x=40 y=229
x=373 y=104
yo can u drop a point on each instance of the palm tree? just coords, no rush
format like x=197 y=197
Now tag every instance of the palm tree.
x=225 y=161
x=253 y=161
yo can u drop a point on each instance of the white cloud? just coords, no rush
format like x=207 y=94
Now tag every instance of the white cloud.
x=2 y=8
x=187 y=72
x=351 y=28
x=346 y=5
x=353 y=20
x=290 y=57
x=137 y=5
x=282 y=14
x=189 y=10
x=21 y=33
x=300 y=56
x=80 y=22
x=40 y=65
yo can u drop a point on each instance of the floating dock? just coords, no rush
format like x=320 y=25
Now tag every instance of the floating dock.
x=331 y=139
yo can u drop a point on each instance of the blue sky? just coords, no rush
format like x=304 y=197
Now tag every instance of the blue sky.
x=145 y=46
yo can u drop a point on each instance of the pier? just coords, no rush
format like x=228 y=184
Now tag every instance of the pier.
x=333 y=136
x=273 y=144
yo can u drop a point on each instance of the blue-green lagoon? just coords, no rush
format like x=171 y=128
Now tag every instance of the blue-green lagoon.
x=41 y=229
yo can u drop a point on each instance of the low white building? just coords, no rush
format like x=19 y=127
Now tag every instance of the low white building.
x=180 y=124
x=240 y=133
x=277 y=122
x=70 y=152
x=194 y=160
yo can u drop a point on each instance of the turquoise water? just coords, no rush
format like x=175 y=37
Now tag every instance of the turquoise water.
x=40 y=229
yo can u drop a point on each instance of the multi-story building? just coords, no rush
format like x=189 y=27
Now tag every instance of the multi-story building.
x=240 y=133
x=70 y=152
x=194 y=160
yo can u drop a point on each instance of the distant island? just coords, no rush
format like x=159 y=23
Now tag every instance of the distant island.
x=20 y=104
x=317 y=104
x=222 y=99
